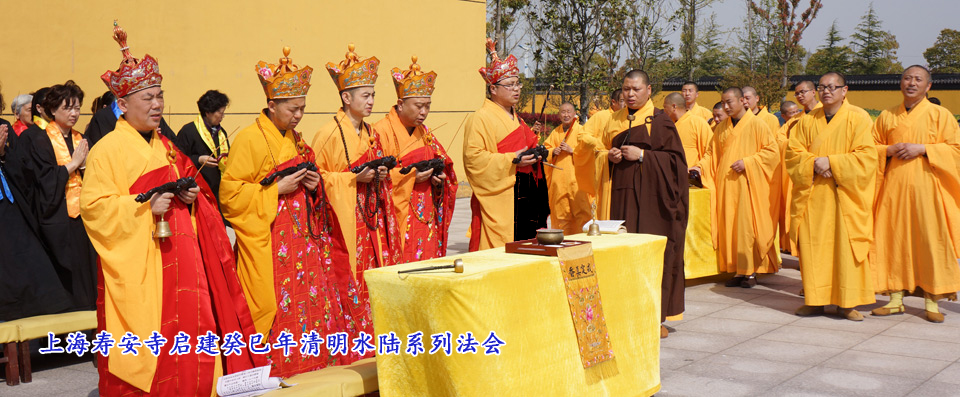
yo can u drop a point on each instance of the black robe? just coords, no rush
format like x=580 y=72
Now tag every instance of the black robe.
x=104 y=121
x=71 y=251
x=652 y=197
x=531 y=206
x=29 y=285
x=191 y=144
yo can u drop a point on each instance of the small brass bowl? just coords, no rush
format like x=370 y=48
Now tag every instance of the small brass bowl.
x=549 y=236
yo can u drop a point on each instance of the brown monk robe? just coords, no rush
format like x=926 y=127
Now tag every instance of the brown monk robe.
x=655 y=186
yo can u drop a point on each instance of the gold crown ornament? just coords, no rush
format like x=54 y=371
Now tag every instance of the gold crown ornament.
x=499 y=69
x=354 y=72
x=284 y=80
x=414 y=82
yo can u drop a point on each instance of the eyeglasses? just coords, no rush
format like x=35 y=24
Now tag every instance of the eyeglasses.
x=829 y=88
x=803 y=92
x=515 y=86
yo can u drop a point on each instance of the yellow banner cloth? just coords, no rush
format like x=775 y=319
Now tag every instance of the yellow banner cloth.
x=521 y=298
x=699 y=256
x=583 y=294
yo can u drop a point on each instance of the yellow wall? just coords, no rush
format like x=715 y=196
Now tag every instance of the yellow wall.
x=203 y=45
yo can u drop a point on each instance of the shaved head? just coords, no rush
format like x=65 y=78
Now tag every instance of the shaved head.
x=718 y=105
x=838 y=75
x=748 y=90
x=738 y=93
x=925 y=71
x=788 y=109
x=807 y=84
x=674 y=99
x=638 y=74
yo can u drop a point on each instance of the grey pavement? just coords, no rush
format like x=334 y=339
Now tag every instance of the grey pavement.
x=731 y=342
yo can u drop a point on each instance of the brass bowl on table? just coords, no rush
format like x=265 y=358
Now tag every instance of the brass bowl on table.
x=549 y=236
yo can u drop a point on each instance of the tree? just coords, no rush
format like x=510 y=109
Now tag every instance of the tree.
x=713 y=57
x=573 y=33
x=944 y=56
x=648 y=26
x=875 y=49
x=787 y=31
x=831 y=57
x=503 y=21
x=754 y=63
x=687 y=16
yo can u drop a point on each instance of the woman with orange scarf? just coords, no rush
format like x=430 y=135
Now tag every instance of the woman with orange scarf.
x=54 y=158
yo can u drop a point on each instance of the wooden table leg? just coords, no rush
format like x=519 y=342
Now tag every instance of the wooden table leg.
x=26 y=373
x=10 y=357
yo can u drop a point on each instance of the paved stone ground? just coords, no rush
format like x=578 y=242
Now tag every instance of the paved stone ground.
x=731 y=342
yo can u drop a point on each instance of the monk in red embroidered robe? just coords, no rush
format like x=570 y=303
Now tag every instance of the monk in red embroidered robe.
x=362 y=201
x=423 y=200
x=184 y=284
x=287 y=240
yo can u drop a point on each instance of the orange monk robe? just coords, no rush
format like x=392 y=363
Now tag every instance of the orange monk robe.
x=569 y=205
x=786 y=185
x=918 y=207
x=598 y=138
x=491 y=174
x=771 y=119
x=400 y=143
x=701 y=111
x=742 y=213
x=695 y=134
x=333 y=151
x=831 y=218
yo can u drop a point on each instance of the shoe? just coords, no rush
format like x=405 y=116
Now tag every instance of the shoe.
x=886 y=311
x=935 y=317
x=749 y=282
x=663 y=331
x=850 y=314
x=801 y=291
x=735 y=282
x=805 y=311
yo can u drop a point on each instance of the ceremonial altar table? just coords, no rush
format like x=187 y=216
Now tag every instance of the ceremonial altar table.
x=523 y=300
x=699 y=257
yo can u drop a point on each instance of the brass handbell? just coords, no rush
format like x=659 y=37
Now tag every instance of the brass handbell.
x=163 y=229
x=594 y=229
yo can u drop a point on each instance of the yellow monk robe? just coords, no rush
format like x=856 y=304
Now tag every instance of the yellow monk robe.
x=695 y=134
x=424 y=230
x=772 y=121
x=593 y=171
x=569 y=205
x=741 y=203
x=492 y=175
x=786 y=185
x=600 y=137
x=832 y=223
x=134 y=297
x=918 y=207
x=704 y=113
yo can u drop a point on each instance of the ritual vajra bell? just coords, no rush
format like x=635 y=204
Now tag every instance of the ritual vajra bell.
x=163 y=229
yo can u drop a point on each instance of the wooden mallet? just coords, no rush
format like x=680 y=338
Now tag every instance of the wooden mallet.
x=457 y=267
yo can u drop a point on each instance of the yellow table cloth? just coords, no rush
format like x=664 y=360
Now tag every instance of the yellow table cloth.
x=699 y=257
x=522 y=298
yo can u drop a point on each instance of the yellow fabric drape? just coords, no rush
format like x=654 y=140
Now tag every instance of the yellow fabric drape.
x=832 y=223
x=570 y=206
x=541 y=356
x=491 y=174
x=132 y=267
x=741 y=205
x=251 y=209
x=74 y=181
x=396 y=141
x=598 y=138
x=695 y=134
x=918 y=205
x=699 y=254
x=40 y=122
x=208 y=139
